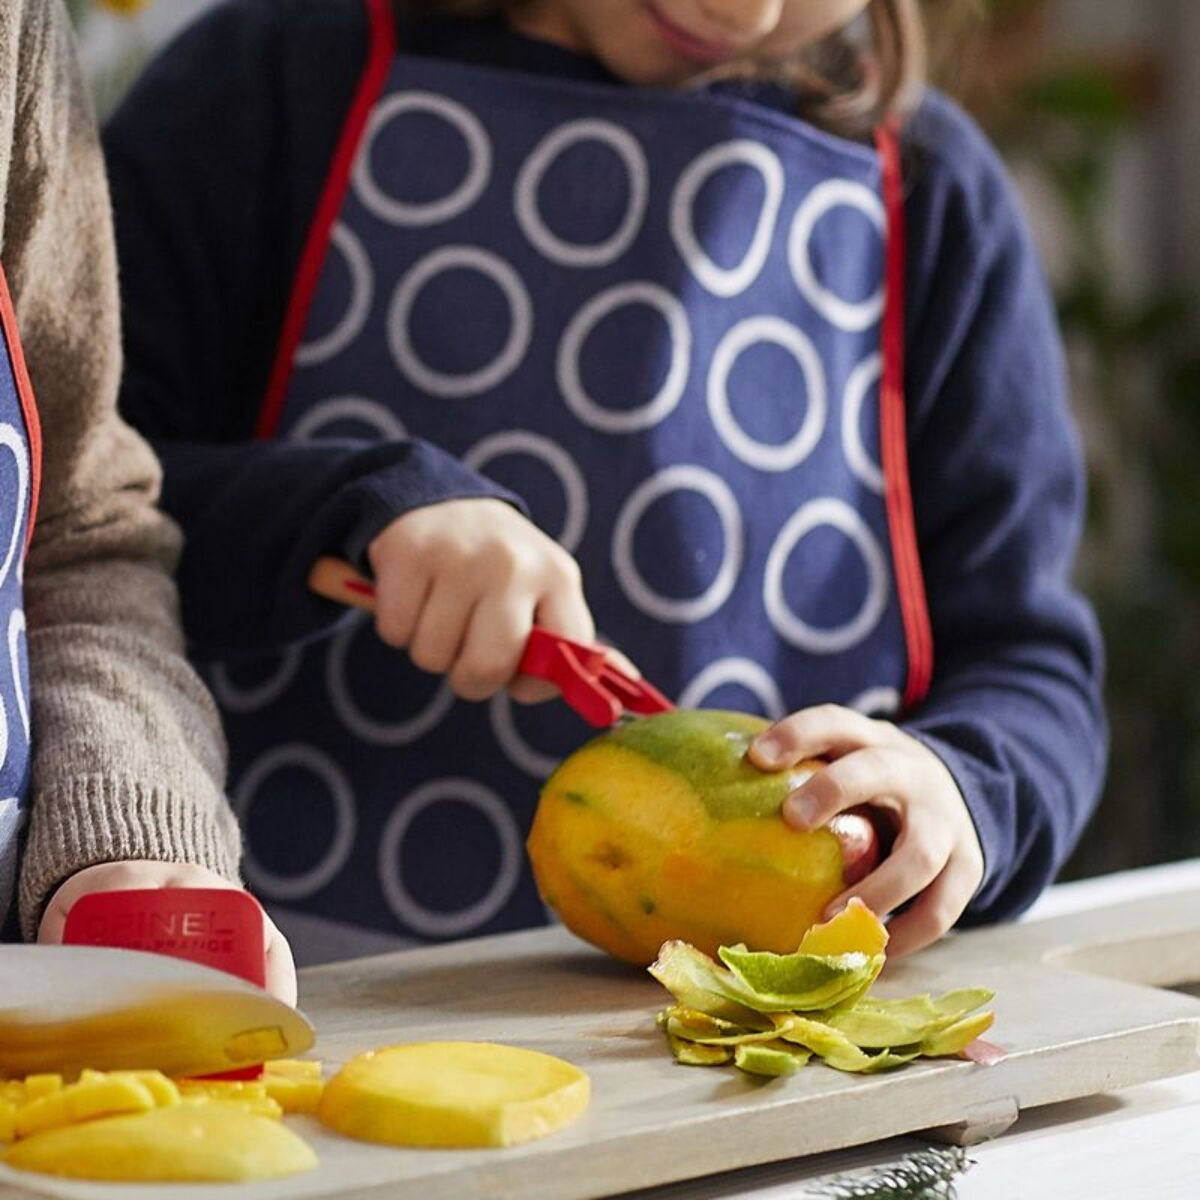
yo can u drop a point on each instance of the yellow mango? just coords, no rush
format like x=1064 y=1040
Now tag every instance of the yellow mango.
x=251 y=1095
x=8 y=1120
x=453 y=1094
x=37 y=1086
x=95 y=1094
x=184 y=1143
x=855 y=928
x=660 y=829
x=291 y=1068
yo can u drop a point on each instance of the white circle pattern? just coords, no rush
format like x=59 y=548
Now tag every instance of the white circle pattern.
x=307 y=883
x=519 y=441
x=368 y=729
x=683 y=478
x=16 y=629
x=12 y=441
x=850 y=316
x=570 y=380
x=371 y=413
x=723 y=281
x=240 y=699
x=568 y=254
x=742 y=671
x=358 y=312
x=519 y=752
x=403 y=904
x=471 y=383
x=838 y=515
x=877 y=702
x=862 y=378
x=434 y=212
x=767 y=457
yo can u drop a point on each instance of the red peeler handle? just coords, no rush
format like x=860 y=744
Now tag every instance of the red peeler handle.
x=589 y=681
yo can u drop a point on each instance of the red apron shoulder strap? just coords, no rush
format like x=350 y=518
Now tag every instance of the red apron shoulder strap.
x=910 y=580
x=380 y=52
x=33 y=424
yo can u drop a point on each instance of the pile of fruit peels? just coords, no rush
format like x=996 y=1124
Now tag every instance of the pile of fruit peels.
x=769 y=1014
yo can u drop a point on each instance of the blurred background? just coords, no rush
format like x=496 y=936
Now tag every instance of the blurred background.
x=1096 y=106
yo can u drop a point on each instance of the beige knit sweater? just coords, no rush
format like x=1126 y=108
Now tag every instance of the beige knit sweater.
x=128 y=758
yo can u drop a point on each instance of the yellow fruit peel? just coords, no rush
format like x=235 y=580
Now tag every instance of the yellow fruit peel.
x=454 y=1094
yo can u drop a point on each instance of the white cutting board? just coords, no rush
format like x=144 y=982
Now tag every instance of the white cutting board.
x=1072 y=1011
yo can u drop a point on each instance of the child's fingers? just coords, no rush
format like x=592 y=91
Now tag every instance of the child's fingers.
x=401 y=597
x=493 y=646
x=825 y=731
x=859 y=778
x=916 y=860
x=935 y=911
x=438 y=638
x=564 y=611
x=281 y=967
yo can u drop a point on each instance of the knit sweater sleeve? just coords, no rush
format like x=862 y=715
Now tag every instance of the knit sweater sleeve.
x=128 y=755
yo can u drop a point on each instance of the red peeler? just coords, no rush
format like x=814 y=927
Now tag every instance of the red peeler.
x=598 y=690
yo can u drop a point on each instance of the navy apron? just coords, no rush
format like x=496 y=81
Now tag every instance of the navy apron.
x=20 y=470
x=659 y=319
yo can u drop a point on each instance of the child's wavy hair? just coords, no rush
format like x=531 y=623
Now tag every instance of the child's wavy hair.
x=848 y=83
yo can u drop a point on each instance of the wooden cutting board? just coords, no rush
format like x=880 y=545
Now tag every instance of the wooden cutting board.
x=1073 y=1011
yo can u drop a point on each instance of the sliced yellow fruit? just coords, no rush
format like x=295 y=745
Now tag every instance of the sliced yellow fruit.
x=37 y=1086
x=292 y=1068
x=250 y=1096
x=8 y=1120
x=94 y=1095
x=185 y=1143
x=463 y=1094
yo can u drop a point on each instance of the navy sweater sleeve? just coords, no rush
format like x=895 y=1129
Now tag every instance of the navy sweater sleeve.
x=216 y=161
x=1015 y=710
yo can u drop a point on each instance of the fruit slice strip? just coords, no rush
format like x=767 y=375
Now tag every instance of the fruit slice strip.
x=454 y=1094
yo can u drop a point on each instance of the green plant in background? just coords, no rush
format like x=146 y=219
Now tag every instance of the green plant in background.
x=1136 y=383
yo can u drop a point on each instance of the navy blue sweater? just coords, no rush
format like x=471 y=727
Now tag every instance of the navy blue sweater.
x=217 y=160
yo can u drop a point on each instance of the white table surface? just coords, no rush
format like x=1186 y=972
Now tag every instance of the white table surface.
x=1131 y=1145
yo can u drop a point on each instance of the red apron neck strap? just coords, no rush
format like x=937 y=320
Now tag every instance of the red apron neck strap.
x=910 y=581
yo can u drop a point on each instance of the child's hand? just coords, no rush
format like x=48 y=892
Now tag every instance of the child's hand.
x=461 y=584
x=936 y=853
x=120 y=876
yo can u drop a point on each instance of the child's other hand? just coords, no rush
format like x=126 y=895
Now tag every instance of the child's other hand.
x=122 y=876
x=936 y=853
x=461 y=584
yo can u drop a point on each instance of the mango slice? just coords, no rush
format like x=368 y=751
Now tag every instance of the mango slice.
x=454 y=1094
x=294 y=1084
x=248 y=1095
x=855 y=928
x=181 y=1144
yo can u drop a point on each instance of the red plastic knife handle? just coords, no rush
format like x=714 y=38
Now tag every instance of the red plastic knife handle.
x=588 y=680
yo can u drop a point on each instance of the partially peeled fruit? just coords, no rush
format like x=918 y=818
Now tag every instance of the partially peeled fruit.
x=661 y=830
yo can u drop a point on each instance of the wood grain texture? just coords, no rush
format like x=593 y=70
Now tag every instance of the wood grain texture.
x=652 y=1122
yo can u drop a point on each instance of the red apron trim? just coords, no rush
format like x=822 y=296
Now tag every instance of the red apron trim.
x=33 y=424
x=910 y=580
x=381 y=51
